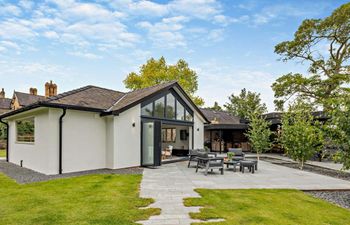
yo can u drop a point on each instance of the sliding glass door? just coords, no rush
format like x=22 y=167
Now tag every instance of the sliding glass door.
x=151 y=143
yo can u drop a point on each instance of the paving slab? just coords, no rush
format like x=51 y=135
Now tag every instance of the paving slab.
x=170 y=183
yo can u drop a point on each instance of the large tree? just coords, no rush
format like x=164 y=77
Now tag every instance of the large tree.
x=324 y=45
x=215 y=107
x=158 y=71
x=245 y=103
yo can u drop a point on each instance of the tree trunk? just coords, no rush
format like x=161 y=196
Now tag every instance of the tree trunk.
x=258 y=156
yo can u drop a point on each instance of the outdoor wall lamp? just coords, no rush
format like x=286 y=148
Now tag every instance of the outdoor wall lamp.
x=197 y=129
x=133 y=124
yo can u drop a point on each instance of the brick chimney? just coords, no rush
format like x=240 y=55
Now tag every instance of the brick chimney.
x=50 y=89
x=33 y=91
x=2 y=93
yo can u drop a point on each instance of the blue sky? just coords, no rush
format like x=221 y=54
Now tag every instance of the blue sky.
x=228 y=43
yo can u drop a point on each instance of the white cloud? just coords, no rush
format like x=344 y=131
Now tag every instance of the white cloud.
x=51 y=35
x=216 y=35
x=86 y=55
x=167 y=32
x=12 y=29
x=26 y=4
x=9 y=9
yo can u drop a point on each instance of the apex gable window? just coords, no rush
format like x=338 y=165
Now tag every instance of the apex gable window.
x=167 y=106
x=25 y=130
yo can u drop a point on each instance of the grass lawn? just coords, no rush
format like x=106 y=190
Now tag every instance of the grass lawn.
x=266 y=207
x=2 y=153
x=92 y=199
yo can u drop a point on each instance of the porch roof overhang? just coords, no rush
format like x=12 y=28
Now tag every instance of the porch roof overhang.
x=226 y=127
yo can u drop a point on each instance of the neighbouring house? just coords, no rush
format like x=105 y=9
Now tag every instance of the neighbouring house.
x=224 y=131
x=93 y=128
x=5 y=103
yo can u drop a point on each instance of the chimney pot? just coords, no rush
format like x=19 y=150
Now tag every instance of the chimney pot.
x=50 y=89
x=33 y=91
x=2 y=93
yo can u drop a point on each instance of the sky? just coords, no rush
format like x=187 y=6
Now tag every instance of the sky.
x=229 y=43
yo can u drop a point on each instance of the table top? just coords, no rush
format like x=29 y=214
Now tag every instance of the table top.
x=231 y=162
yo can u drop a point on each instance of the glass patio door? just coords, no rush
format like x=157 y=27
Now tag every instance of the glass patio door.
x=151 y=143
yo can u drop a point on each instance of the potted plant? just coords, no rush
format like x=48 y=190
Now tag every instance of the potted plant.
x=230 y=156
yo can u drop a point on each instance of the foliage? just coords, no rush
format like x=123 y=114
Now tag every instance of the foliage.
x=230 y=155
x=245 y=103
x=339 y=128
x=2 y=131
x=265 y=207
x=329 y=72
x=259 y=133
x=2 y=153
x=158 y=71
x=301 y=135
x=92 y=199
x=215 y=107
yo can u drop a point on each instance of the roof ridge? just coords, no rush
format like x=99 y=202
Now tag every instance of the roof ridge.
x=108 y=89
x=67 y=93
x=146 y=88
x=27 y=93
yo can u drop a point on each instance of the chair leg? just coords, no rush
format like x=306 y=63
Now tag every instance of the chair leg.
x=253 y=169
x=222 y=171
x=197 y=167
x=189 y=163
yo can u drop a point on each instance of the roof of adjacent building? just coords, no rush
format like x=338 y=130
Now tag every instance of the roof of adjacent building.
x=25 y=99
x=223 y=120
x=105 y=101
x=5 y=103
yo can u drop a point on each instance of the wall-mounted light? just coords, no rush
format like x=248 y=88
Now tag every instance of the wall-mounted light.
x=197 y=129
x=133 y=124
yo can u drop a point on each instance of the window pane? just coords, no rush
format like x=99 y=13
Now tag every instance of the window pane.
x=159 y=108
x=170 y=106
x=180 y=111
x=189 y=117
x=147 y=110
x=25 y=130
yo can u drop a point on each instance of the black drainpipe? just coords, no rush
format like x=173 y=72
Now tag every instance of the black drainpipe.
x=7 y=139
x=60 y=142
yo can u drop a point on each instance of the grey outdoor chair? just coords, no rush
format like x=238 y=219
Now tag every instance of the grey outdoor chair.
x=238 y=153
x=193 y=153
x=206 y=162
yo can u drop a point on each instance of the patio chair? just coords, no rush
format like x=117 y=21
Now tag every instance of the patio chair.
x=206 y=162
x=193 y=155
x=238 y=153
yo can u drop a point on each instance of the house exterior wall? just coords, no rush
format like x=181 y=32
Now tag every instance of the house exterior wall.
x=128 y=138
x=41 y=155
x=84 y=141
x=110 y=142
x=198 y=132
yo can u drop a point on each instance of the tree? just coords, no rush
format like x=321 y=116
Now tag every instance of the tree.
x=215 y=107
x=157 y=72
x=259 y=133
x=301 y=136
x=244 y=104
x=339 y=129
x=328 y=71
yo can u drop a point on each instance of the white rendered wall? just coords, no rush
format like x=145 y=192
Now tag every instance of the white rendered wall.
x=110 y=142
x=198 y=131
x=42 y=155
x=84 y=141
x=128 y=138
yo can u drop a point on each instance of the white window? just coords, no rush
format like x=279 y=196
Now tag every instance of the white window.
x=25 y=130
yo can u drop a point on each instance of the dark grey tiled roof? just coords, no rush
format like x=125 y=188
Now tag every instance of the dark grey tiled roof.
x=5 y=103
x=25 y=99
x=88 y=96
x=137 y=95
x=221 y=117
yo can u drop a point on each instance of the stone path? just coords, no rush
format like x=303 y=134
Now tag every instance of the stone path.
x=169 y=184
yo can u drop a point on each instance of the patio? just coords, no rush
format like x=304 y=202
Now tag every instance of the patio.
x=169 y=184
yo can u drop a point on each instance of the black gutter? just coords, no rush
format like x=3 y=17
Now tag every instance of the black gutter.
x=7 y=139
x=60 y=142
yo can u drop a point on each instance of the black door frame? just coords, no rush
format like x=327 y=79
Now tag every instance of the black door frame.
x=157 y=132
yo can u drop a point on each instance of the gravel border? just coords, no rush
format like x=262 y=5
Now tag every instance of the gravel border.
x=340 y=198
x=311 y=168
x=23 y=175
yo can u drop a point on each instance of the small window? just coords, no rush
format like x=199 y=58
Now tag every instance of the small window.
x=169 y=134
x=25 y=130
x=147 y=110
x=180 y=111
x=159 y=108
